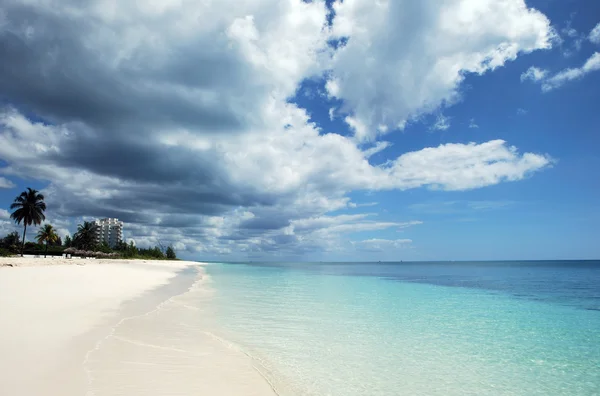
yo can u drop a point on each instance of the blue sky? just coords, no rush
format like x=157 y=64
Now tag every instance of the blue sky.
x=470 y=134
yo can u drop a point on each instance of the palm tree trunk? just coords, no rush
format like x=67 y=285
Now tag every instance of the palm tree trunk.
x=23 y=245
x=46 y=251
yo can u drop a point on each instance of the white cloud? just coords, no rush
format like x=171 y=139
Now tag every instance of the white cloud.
x=381 y=245
x=332 y=114
x=378 y=147
x=5 y=183
x=407 y=58
x=332 y=87
x=409 y=224
x=459 y=207
x=442 y=123
x=4 y=214
x=361 y=205
x=361 y=130
x=569 y=32
x=594 y=36
x=463 y=166
x=255 y=173
x=562 y=77
x=473 y=124
x=488 y=205
x=551 y=82
x=572 y=41
x=305 y=187
x=521 y=111
x=534 y=74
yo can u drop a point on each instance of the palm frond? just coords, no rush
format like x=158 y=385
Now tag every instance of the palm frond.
x=28 y=208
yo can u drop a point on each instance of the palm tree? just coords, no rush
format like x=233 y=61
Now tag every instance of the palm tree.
x=85 y=237
x=29 y=209
x=48 y=235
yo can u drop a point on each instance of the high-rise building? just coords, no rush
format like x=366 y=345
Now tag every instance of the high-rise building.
x=110 y=231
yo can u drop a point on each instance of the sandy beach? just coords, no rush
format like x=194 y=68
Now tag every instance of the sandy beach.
x=110 y=327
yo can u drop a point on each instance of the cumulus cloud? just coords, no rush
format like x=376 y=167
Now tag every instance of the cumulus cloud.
x=378 y=147
x=5 y=183
x=463 y=166
x=594 y=35
x=175 y=116
x=405 y=58
x=534 y=74
x=7 y=225
x=331 y=114
x=550 y=82
x=559 y=79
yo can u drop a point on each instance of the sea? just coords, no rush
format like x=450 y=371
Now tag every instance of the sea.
x=414 y=328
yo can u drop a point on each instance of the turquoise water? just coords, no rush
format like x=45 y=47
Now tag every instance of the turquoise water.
x=415 y=328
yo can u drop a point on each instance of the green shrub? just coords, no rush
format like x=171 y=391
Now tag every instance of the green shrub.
x=171 y=253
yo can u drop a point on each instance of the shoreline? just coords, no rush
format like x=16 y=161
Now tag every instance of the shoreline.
x=97 y=327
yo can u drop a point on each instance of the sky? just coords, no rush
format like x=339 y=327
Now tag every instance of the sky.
x=309 y=130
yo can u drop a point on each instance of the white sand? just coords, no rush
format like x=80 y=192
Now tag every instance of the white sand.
x=62 y=332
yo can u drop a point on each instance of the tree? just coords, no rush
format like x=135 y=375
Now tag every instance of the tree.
x=12 y=242
x=121 y=246
x=58 y=242
x=85 y=237
x=104 y=247
x=28 y=208
x=171 y=253
x=68 y=241
x=48 y=235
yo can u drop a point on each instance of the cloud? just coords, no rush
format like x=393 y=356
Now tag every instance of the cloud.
x=473 y=124
x=177 y=65
x=5 y=183
x=521 y=111
x=176 y=117
x=576 y=39
x=378 y=147
x=4 y=214
x=569 y=32
x=442 y=123
x=464 y=166
x=459 y=207
x=488 y=205
x=534 y=74
x=594 y=35
x=408 y=224
x=381 y=245
x=279 y=177
x=551 y=82
x=403 y=59
x=361 y=205
x=571 y=74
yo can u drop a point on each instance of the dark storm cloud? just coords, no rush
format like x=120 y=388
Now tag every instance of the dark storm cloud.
x=53 y=72
x=62 y=69
x=265 y=223
x=132 y=159
x=143 y=205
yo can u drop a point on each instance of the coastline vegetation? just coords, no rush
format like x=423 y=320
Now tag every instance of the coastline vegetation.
x=29 y=208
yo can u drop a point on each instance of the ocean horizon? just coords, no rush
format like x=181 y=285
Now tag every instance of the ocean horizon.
x=427 y=328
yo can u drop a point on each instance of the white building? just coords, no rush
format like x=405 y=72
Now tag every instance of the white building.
x=110 y=231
